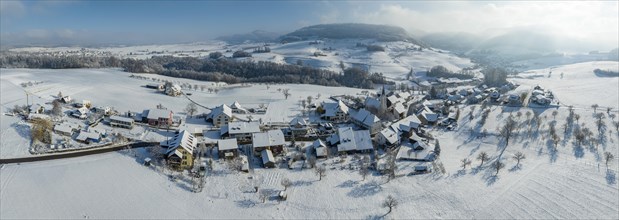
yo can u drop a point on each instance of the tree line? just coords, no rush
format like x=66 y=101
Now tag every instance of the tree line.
x=215 y=68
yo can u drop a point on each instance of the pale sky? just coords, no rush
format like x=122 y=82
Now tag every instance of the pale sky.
x=85 y=22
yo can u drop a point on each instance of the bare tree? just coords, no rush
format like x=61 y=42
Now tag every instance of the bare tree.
x=554 y=114
x=616 y=124
x=608 y=157
x=498 y=165
x=364 y=171
x=465 y=162
x=599 y=122
x=286 y=92
x=57 y=108
x=518 y=156
x=263 y=195
x=577 y=117
x=507 y=131
x=309 y=99
x=286 y=183
x=595 y=107
x=191 y=109
x=555 y=140
x=483 y=156
x=390 y=203
x=41 y=130
x=312 y=161
x=321 y=171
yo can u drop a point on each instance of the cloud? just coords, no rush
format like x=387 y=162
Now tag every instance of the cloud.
x=592 y=21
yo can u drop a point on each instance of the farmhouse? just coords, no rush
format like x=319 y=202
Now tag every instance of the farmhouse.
x=334 y=111
x=418 y=151
x=388 y=137
x=81 y=113
x=122 y=122
x=66 y=99
x=299 y=126
x=367 y=120
x=272 y=140
x=348 y=140
x=400 y=110
x=406 y=125
x=427 y=116
x=158 y=87
x=237 y=108
x=66 y=129
x=228 y=148
x=240 y=130
x=180 y=149
x=173 y=90
x=268 y=161
x=321 y=148
x=157 y=117
x=37 y=109
x=220 y=115
x=88 y=137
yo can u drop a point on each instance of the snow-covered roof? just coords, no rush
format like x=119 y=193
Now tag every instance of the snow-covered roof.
x=211 y=137
x=399 y=108
x=65 y=128
x=155 y=114
x=227 y=144
x=429 y=115
x=406 y=124
x=86 y=135
x=241 y=127
x=404 y=95
x=318 y=143
x=366 y=118
x=123 y=119
x=268 y=138
x=321 y=152
x=35 y=107
x=350 y=140
x=236 y=105
x=101 y=131
x=390 y=135
x=222 y=109
x=372 y=102
x=298 y=122
x=183 y=139
x=267 y=156
x=331 y=108
x=407 y=152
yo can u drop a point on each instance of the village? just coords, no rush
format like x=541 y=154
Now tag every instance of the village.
x=387 y=132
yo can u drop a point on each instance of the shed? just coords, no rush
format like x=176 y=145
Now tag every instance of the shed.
x=267 y=159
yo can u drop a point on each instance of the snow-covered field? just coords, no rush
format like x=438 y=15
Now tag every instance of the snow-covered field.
x=395 y=62
x=579 y=86
x=572 y=182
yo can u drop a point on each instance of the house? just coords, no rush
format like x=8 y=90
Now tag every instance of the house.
x=180 y=150
x=427 y=116
x=157 y=117
x=66 y=99
x=495 y=95
x=299 y=126
x=406 y=125
x=240 y=130
x=272 y=140
x=121 y=122
x=334 y=111
x=349 y=141
x=220 y=115
x=238 y=109
x=367 y=120
x=540 y=99
x=173 y=90
x=320 y=148
x=388 y=137
x=158 y=87
x=66 y=129
x=400 y=110
x=418 y=151
x=37 y=109
x=88 y=137
x=228 y=148
x=81 y=113
x=102 y=132
x=210 y=138
x=104 y=110
x=268 y=161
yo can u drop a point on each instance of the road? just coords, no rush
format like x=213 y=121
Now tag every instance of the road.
x=77 y=153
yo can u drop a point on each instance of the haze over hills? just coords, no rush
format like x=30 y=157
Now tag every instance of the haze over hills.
x=254 y=36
